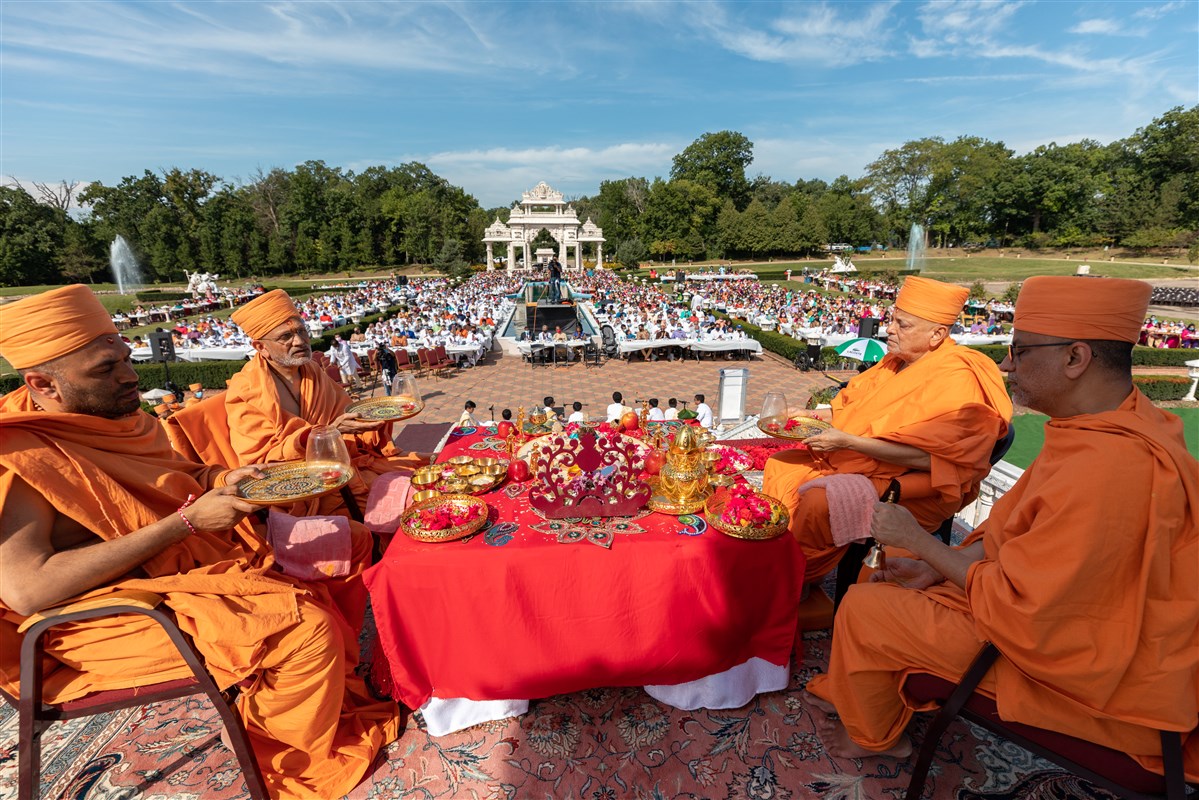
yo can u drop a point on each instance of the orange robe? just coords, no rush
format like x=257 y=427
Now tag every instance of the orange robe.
x=262 y=431
x=314 y=729
x=1089 y=587
x=951 y=403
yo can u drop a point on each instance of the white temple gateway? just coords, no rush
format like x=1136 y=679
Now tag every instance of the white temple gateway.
x=542 y=207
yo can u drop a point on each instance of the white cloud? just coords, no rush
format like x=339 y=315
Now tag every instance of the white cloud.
x=1159 y=10
x=1105 y=27
x=805 y=33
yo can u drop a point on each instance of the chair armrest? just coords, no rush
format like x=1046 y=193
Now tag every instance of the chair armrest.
x=122 y=597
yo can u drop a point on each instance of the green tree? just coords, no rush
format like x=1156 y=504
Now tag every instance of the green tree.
x=449 y=260
x=718 y=161
x=30 y=236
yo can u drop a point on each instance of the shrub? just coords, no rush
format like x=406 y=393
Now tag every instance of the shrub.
x=210 y=374
x=1141 y=356
x=1159 y=388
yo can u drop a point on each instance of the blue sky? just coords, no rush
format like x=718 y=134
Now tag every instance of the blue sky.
x=496 y=96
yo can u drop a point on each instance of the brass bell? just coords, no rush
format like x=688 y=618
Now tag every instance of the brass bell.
x=876 y=558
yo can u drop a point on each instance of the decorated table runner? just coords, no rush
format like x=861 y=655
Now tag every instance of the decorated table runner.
x=531 y=607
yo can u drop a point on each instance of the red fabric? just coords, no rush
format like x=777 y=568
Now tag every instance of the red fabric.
x=489 y=618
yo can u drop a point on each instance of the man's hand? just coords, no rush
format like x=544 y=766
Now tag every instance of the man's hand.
x=233 y=476
x=908 y=573
x=825 y=414
x=218 y=510
x=350 y=423
x=894 y=525
x=830 y=440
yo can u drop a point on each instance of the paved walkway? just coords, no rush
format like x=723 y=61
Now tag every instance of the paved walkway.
x=508 y=382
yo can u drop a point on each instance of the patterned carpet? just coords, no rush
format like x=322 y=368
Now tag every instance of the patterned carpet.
x=603 y=744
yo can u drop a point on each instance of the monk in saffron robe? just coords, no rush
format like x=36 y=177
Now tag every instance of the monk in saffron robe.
x=1085 y=576
x=282 y=394
x=930 y=410
x=93 y=501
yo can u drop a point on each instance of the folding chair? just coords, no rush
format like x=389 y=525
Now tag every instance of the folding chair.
x=34 y=714
x=1113 y=770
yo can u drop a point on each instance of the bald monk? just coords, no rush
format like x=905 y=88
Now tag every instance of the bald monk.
x=93 y=501
x=276 y=400
x=1085 y=576
x=930 y=410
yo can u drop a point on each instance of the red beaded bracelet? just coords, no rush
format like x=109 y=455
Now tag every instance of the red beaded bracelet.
x=190 y=499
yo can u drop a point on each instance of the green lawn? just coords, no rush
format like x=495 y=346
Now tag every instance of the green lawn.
x=1030 y=435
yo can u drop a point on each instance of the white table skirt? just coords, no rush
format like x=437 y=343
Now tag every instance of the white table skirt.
x=732 y=688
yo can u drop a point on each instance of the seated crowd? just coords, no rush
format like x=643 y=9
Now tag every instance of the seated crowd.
x=1092 y=599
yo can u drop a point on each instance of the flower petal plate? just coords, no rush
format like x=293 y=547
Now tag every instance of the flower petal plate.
x=715 y=507
x=459 y=502
x=385 y=408
x=288 y=483
x=808 y=426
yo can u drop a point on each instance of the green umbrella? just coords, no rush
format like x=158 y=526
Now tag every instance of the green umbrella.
x=862 y=349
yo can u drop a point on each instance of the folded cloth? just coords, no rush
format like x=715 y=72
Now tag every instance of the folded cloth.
x=851 y=501
x=310 y=548
x=387 y=501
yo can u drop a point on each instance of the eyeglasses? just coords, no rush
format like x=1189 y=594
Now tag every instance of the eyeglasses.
x=1014 y=350
x=287 y=338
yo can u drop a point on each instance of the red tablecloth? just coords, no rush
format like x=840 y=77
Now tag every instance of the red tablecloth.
x=513 y=613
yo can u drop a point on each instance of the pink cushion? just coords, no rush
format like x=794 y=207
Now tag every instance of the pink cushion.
x=387 y=501
x=310 y=548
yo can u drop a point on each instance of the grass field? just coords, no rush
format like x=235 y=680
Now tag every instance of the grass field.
x=1030 y=435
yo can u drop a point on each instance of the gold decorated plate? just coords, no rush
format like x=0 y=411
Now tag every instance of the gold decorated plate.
x=802 y=429
x=410 y=522
x=287 y=483
x=715 y=507
x=385 y=408
x=660 y=503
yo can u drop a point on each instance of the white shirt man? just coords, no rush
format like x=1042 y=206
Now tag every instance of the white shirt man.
x=703 y=412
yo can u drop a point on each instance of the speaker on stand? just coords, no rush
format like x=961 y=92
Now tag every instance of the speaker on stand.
x=868 y=327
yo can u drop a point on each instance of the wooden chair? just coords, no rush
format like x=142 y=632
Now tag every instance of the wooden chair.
x=441 y=359
x=1113 y=770
x=34 y=714
x=403 y=360
x=850 y=565
x=422 y=358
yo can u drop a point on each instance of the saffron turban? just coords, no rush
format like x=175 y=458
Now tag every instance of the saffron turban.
x=931 y=300
x=263 y=314
x=52 y=324
x=1070 y=307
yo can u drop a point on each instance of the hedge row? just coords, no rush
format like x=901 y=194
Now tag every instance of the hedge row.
x=210 y=374
x=1141 y=356
x=1162 y=387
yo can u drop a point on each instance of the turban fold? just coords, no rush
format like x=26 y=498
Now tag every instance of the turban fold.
x=1070 y=307
x=263 y=314
x=931 y=300
x=52 y=324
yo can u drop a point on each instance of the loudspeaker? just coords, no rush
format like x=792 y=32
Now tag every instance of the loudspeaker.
x=679 y=277
x=162 y=347
x=868 y=327
x=402 y=280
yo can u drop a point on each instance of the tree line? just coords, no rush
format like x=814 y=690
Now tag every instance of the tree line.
x=1140 y=192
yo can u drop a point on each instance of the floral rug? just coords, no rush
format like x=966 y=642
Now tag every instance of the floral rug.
x=602 y=744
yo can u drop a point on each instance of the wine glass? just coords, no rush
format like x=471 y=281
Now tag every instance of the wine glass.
x=774 y=407
x=404 y=391
x=326 y=451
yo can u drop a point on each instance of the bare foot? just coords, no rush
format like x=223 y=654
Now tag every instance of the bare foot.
x=819 y=703
x=836 y=739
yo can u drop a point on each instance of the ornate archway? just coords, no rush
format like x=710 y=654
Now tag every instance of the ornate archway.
x=542 y=207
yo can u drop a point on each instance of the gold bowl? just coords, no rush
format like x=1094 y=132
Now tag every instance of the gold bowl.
x=466 y=470
x=496 y=470
x=454 y=485
x=777 y=525
x=537 y=419
x=424 y=495
x=485 y=462
x=480 y=481
x=426 y=480
x=459 y=461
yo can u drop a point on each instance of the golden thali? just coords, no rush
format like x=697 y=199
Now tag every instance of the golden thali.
x=411 y=521
x=792 y=427
x=287 y=483
x=386 y=408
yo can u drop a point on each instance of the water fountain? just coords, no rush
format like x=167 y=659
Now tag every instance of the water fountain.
x=916 y=247
x=124 y=265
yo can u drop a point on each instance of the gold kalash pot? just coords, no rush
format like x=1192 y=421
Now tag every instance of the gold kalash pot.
x=682 y=485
